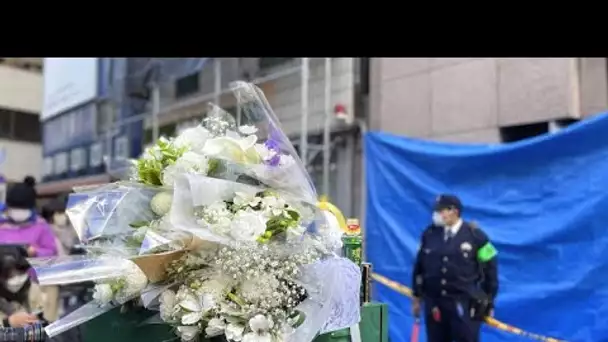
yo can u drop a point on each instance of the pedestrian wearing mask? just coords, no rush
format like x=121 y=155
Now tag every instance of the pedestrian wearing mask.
x=20 y=298
x=22 y=225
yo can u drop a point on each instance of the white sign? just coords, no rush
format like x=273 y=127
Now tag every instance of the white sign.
x=96 y=155
x=68 y=82
x=77 y=159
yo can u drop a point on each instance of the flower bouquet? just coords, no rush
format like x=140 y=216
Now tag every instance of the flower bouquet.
x=217 y=229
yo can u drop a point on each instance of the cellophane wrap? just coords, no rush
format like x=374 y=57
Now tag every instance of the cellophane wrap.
x=218 y=230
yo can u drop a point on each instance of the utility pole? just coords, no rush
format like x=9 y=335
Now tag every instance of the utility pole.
x=304 y=109
x=327 y=128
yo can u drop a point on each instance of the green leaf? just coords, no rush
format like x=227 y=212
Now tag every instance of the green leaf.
x=139 y=224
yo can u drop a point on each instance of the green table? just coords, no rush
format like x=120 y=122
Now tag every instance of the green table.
x=126 y=327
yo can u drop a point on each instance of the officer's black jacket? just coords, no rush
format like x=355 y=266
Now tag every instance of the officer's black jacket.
x=452 y=269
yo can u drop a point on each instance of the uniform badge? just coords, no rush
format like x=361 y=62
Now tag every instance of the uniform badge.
x=466 y=247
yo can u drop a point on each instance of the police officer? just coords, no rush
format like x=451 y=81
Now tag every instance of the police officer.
x=455 y=275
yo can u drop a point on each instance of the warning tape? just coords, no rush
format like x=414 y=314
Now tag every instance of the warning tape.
x=404 y=290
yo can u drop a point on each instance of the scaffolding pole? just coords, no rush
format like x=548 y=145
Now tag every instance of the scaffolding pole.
x=304 y=104
x=327 y=127
x=217 y=93
x=155 y=111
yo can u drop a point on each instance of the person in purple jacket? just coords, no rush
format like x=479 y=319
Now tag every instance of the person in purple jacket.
x=22 y=225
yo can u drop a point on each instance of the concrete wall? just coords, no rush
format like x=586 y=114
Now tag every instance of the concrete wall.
x=20 y=89
x=468 y=99
x=21 y=159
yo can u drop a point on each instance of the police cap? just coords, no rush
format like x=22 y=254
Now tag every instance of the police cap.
x=447 y=201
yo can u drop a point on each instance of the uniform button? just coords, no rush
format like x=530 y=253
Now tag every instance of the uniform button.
x=443 y=270
x=445 y=259
x=443 y=282
x=443 y=292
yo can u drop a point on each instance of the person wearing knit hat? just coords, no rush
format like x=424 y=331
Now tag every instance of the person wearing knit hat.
x=23 y=225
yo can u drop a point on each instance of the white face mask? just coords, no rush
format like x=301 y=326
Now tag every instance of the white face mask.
x=19 y=215
x=60 y=219
x=14 y=284
x=437 y=219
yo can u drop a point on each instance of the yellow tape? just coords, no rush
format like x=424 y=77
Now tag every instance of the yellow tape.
x=404 y=290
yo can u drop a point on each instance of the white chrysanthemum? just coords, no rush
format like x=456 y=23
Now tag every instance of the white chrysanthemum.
x=103 y=294
x=215 y=327
x=247 y=226
x=189 y=162
x=215 y=287
x=193 y=138
x=161 y=203
x=167 y=305
x=295 y=233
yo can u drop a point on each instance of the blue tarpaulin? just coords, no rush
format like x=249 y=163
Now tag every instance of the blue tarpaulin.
x=543 y=202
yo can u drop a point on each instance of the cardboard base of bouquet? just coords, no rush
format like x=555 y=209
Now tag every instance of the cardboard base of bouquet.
x=127 y=327
x=155 y=266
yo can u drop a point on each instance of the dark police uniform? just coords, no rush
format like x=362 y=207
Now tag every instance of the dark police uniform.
x=455 y=276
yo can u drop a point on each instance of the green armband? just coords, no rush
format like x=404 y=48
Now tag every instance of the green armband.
x=486 y=253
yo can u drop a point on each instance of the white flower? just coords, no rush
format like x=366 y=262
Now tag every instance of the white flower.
x=188 y=333
x=273 y=206
x=193 y=138
x=135 y=282
x=248 y=130
x=234 y=332
x=242 y=199
x=167 y=305
x=260 y=326
x=197 y=307
x=215 y=327
x=247 y=226
x=161 y=203
x=240 y=150
x=265 y=153
x=189 y=162
x=103 y=294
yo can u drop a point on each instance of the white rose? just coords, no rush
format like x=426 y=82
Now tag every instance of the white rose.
x=239 y=150
x=188 y=333
x=161 y=203
x=103 y=294
x=215 y=327
x=234 y=332
x=193 y=138
x=167 y=305
x=247 y=226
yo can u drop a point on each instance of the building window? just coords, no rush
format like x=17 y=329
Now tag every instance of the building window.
x=520 y=132
x=187 y=85
x=271 y=62
x=20 y=126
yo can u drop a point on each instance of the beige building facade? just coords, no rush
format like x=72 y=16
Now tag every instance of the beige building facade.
x=21 y=86
x=483 y=100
